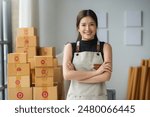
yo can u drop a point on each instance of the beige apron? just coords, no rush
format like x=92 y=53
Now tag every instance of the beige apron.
x=84 y=61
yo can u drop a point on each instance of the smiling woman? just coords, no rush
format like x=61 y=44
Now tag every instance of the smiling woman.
x=88 y=61
x=87 y=28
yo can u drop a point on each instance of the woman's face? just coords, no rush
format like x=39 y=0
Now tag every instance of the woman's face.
x=87 y=28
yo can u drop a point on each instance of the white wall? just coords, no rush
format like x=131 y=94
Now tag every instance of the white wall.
x=47 y=22
x=57 y=20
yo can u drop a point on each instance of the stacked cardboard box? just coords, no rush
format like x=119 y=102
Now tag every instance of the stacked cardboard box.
x=27 y=42
x=19 y=77
x=44 y=78
x=45 y=75
x=48 y=75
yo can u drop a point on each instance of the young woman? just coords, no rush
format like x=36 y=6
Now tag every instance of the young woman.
x=87 y=62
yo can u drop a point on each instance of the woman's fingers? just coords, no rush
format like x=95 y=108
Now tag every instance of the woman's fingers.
x=70 y=66
x=96 y=66
x=107 y=67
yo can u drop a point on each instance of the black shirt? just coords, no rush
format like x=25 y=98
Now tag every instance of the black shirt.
x=90 y=45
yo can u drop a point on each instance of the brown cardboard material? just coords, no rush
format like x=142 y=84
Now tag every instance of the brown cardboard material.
x=44 y=71
x=17 y=58
x=26 y=41
x=28 y=31
x=43 y=61
x=31 y=51
x=20 y=69
x=18 y=81
x=44 y=81
x=47 y=51
x=45 y=93
x=21 y=93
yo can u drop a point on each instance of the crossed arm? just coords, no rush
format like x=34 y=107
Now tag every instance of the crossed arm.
x=103 y=73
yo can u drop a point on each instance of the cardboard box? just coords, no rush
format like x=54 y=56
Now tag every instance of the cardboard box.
x=61 y=91
x=21 y=93
x=26 y=41
x=18 y=81
x=43 y=61
x=47 y=51
x=55 y=62
x=28 y=31
x=31 y=62
x=32 y=76
x=44 y=71
x=45 y=93
x=31 y=51
x=19 y=69
x=44 y=81
x=58 y=76
x=17 y=58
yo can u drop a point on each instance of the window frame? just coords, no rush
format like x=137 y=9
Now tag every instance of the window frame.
x=5 y=44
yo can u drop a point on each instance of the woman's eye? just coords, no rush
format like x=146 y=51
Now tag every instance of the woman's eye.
x=92 y=24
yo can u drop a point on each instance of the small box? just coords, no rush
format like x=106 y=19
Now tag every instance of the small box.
x=47 y=51
x=45 y=93
x=17 y=58
x=19 y=81
x=44 y=71
x=28 y=31
x=20 y=69
x=31 y=51
x=21 y=93
x=43 y=61
x=44 y=81
x=26 y=41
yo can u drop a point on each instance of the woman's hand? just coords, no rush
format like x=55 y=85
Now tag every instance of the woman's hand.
x=70 y=66
x=105 y=67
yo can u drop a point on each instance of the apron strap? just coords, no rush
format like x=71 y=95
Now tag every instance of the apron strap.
x=98 y=47
x=77 y=47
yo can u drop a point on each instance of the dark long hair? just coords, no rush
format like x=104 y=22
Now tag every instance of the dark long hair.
x=83 y=14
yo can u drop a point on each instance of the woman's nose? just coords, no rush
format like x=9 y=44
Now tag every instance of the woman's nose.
x=87 y=27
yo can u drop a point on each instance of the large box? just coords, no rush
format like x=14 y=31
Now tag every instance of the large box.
x=28 y=31
x=26 y=41
x=44 y=61
x=19 y=81
x=21 y=93
x=45 y=93
x=17 y=58
x=19 y=69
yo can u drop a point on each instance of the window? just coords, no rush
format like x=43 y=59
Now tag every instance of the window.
x=5 y=44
